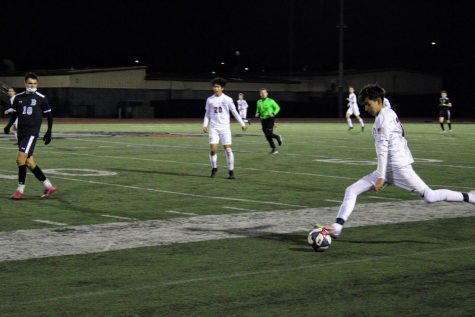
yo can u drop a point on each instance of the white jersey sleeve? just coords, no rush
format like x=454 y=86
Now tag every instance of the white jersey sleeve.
x=236 y=115
x=391 y=145
x=207 y=114
x=387 y=104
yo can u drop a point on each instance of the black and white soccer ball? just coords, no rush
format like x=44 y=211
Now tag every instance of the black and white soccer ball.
x=319 y=239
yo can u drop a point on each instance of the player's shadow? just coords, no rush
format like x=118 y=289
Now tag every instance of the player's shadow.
x=157 y=172
x=298 y=240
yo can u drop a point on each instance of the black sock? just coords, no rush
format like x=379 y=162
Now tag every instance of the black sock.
x=38 y=173
x=442 y=126
x=340 y=221
x=21 y=174
x=465 y=197
x=450 y=126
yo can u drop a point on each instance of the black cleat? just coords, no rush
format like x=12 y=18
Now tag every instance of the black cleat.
x=362 y=129
x=350 y=128
x=231 y=175
x=213 y=172
x=280 y=140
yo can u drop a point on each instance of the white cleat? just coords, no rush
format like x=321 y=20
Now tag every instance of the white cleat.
x=334 y=230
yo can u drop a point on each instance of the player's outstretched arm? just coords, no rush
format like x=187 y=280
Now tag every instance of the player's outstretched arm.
x=6 y=130
x=47 y=136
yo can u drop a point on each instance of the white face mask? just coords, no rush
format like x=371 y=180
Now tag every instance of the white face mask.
x=31 y=90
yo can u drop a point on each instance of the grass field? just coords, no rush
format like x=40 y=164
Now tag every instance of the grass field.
x=159 y=171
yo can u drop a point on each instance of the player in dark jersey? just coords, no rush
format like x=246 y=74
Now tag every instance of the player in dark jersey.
x=29 y=107
x=444 y=111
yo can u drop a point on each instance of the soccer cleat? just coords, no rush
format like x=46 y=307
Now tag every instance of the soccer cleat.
x=48 y=192
x=443 y=132
x=231 y=175
x=17 y=196
x=213 y=172
x=450 y=131
x=334 y=230
x=280 y=140
x=362 y=129
x=350 y=128
x=274 y=151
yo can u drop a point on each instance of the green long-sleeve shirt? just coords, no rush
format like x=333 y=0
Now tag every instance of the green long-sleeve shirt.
x=267 y=106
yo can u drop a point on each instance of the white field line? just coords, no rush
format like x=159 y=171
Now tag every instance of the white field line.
x=51 y=222
x=288 y=154
x=236 y=208
x=118 y=217
x=181 y=213
x=181 y=193
x=237 y=275
x=333 y=201
x=381 y=197
x=85 y=239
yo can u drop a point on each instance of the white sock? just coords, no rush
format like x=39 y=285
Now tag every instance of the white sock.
x=361 y=122
x=351 y=193
x=47 y=184
x=471 y=197
x=229 y=158
x=350 y=123
x=21 y=188
x=213 y=160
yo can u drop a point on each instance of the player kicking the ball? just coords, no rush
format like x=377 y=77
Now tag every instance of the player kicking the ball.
x=29 y=107
x=218 y=109
x=394 y=162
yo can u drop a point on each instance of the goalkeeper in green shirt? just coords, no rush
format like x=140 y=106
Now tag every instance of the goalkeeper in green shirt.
x=267 y=109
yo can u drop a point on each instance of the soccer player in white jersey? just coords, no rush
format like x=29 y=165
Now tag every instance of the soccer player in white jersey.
x=353 y=110
x=217 y=124
x=242 y=108
x=394 y=162
x=11 y=94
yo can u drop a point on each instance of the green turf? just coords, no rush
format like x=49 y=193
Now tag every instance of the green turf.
x=417 y=269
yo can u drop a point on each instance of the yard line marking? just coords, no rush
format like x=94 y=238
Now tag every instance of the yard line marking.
x=85 y=239
x=333 y=201
x=181 y=212
x=202 y=164
x=181 y=193
x=386 y=198
x=118 y=217
x=236 y=275
x=235 y=208
x=50 y=222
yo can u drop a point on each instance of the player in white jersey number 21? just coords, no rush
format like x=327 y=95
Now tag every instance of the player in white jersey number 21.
x=394 y=162
x=217 y=124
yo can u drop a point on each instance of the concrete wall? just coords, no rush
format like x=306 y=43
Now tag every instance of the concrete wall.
x=99 y=93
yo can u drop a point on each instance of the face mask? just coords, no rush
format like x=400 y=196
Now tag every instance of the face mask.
x=31 y=90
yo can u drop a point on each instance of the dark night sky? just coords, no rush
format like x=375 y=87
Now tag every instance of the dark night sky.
x=195 y=36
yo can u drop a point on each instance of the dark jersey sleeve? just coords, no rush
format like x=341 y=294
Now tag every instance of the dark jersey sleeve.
x=45 y=106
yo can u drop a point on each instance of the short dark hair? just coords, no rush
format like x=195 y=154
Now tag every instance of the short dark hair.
x=371 y=92
x=219 y=81
x=30 y=75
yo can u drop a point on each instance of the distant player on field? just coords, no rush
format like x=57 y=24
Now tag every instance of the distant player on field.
x=218 y=109
x=353 y=109
x=29 y=107
x=267 y=109
x=394 y=162
x=242 y=108
x=444 y=111
x=11 y=95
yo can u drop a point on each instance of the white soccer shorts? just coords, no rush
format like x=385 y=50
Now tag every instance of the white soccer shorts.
x=404 y=177
x=355 y=110
x=220 y=135
x=243 y=113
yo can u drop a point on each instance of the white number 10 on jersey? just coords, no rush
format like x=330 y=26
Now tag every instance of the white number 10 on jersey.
x=27 y=110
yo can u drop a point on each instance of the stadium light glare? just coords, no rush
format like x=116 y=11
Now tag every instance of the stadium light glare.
x=433 y=43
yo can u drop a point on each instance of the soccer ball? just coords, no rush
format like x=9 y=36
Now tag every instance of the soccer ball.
x=319 y=239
